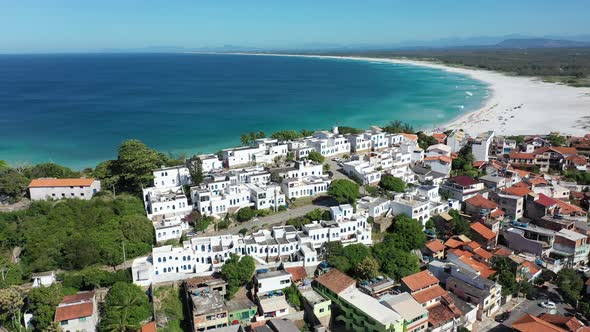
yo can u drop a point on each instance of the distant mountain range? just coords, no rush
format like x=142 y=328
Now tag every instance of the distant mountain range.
x=505 y=41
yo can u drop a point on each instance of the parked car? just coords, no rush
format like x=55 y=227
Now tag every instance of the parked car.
x=501 y=318
x=548 y=305
x=584 y=269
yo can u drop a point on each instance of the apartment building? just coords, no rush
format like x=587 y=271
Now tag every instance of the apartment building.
x=305 y=186
x=170 y=177
x=169 y=201
x=481 y=146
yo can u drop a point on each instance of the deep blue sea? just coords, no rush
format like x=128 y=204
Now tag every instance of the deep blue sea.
x=76 y=109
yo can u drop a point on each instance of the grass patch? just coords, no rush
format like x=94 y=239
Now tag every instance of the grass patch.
x=169 y=308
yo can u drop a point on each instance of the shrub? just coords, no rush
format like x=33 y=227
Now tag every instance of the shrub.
x=245 y=214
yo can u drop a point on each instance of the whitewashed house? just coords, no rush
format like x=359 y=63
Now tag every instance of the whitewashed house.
x=210 y=162
x=169 y=227
x=481 y=146
x=438 y=150
x=266 y=196
x=43 y=279
x=168 y=177
x=456 y=140
x=165 y=201
x=52 y=188
x=78 y=312
x=329 y=143
x=305 y=187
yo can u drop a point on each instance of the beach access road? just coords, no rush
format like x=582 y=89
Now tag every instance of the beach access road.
x=272 y=220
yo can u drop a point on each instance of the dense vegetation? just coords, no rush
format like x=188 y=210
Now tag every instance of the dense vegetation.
x=392 y=183
x=344 y=191
x=126 y=308
x=393 y=256
x=237 y=272
x=566 y=65
x=73 y=234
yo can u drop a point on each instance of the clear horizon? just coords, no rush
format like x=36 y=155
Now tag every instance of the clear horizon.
x=69 y=26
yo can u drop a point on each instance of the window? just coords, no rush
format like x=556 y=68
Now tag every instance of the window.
x=63 y=322
x=82 y=319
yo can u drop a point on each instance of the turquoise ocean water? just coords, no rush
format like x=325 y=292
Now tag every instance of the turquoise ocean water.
x=76 y=109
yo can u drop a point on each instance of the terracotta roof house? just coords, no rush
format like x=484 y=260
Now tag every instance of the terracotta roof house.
x=52 y=188
x=336 y=281
x=298 y=273
x=77 y=312
x=530 y=323
x=435 y=248
x=480 y=207
x=484 y=235
x=419 y=281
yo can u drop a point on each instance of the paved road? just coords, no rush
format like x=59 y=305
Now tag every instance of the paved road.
x=272 y=220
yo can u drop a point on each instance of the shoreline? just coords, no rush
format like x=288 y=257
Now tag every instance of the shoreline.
x=517 y=105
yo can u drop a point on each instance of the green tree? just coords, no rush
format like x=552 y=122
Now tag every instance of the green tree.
x=11 y=304
x=135 y=164
x=430 y=224
x=392 y=183
x=42 y=302
x=52 y=170
x=316 y=156
x=12 y=183
x=424 y=141
x=459 y=225
x=286 y=135
x=326 y=167
x=237 y=272
x=396 y=262
x=407 y=233
x=245 y=139
x=570 y=284
x=196 y=171
x=245 y=214
x=356 y=253
x=293 y=296
x=344 y=191
x=556 y=140
x=367 y=268
x=306 y=133
x=126 y=308
x=396 y=127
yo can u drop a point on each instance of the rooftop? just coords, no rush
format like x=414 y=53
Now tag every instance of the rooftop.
x=420 y=280
x=313 y=297
x=52 y=182
x=481 y=202
x=336 y=281
x=463 y=180
x=482 y=230
x=530 y=323
x=370 y=306
x=405 y=305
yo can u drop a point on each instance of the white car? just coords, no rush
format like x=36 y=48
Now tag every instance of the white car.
x=548 y=305
x=583 y=269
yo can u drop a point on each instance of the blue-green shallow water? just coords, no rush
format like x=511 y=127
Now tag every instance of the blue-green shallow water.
x=76 y=109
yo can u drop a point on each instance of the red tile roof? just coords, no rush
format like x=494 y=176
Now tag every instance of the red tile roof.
x=73 y=311
x=435 y=245
x=444 y=159
x=420 y=280
x=428 y=294
x=564 y=150
x=37 y=183
x=149 y=327
x=463 y=180
x=79 y=297
x=521 y=155
x=336 y=281
x=439 y=315
x=570 y=323
x=297 y=273
x=440 y=137
x=533 y=268
x=530 y=323
x=481 y=202
x=478 y=164
x=521 y=185
x=482 y=230
x=411 y=137
x=577 y=160
x=481 y=252
x=567 y=208
x=503 y=252
x=546 y=200
x=453 y=243
x=517 y=191
x=497 y=213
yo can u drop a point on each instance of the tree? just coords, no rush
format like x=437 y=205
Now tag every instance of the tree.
x=368 y=268
x=396 y=262
x=424 y=141
x=459 y=225
x=430 y=224
x=135 y=164
x=344 y=191
x=306 y=133
x=293 y=296
x=126 y=307
x=12 y=183
x=407 y=233
x=11 y=303
x=286 y=135
x=52 y=170
x=570 y=284
x=196 y=171
x=556 y=140
x=326 y=167
x=316 y=156
x=392 y=183
x=237 y=272
x=42 y=302
x=524 y=287
x=396 y=127
x=355 y=253
x=245 y=214
x=508 y=282
x=245 y=139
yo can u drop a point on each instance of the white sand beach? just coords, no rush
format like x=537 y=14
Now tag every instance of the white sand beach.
x=517 y=105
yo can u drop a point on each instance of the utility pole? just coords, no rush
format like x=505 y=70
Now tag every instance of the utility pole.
x=4 y=273
x=124 y=256
x=113 y=191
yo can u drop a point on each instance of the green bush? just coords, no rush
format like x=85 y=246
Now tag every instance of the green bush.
x=245 y=214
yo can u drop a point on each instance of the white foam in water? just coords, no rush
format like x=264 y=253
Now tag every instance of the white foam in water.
x=469 y=93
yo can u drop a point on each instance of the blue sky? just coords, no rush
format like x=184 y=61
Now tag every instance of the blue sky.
x=59 y=25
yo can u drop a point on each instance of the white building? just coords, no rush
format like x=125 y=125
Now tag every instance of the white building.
x=438 y=150
x=305 y=187
x=329 y=144
x=210 y=162
x=43 y=279
x=439 y=164
x=169 y=228
x=481 y=146
x=266 y=196
x=52 y=188
x=203 y=255
x=165 y=201
x=218 y=201
x=374 y=206
x=300 y=169
x=362 y=170
x=264 y=152
x=168 y=177
x=271 y=281
x=412 y=206
x=358 y=142
x=77 y=312
x=456 y=140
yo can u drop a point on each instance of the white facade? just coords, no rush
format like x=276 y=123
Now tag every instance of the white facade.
x=481 y=146
x=271 y=281
x=73 y=307
x=165 y=201
x=358 y=142
x=169 y=228
x=374 y=206
x=44 y=279
x=329 y=144
x=414 y=207
x=362 y=170
x=266 y=196
x=302 y=169
x=168 y=177
x=438 y=150
x=219 y=201
x=456 y=140
x=440 y=164
x=202 y=255
x=210 y=162
x=305 y=187
x=51 y=188
x=264 y=152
